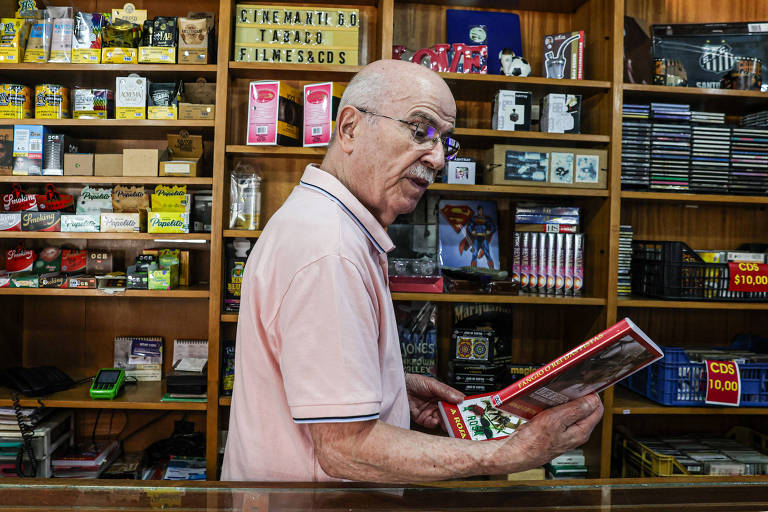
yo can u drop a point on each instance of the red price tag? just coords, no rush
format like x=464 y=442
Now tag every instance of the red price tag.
x=723 y=383
x=747 y=277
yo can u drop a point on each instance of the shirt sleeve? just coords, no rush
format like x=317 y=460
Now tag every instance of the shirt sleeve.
x=327 y=328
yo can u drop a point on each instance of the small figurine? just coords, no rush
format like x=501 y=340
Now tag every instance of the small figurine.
x=513 y=65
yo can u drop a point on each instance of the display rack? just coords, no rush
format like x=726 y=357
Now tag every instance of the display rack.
x=544 y=327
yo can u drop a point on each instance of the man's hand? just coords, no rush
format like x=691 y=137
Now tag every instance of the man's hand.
x=556 y=430
x=423 y=395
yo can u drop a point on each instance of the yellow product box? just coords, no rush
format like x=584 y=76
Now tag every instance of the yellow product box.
x=51 y=102
x=38 y=47
x=163 y=278
x=157 y=55
x=13 y=40
x=169 y=198
x=15 y=101
x=167 y=222
x=119 y=56
x=86 y=56
x=163 y=112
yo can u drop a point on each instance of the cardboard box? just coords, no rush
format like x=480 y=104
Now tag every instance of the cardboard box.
x=99 y=262
x=15 y=32
x=193 y=56
x=92 y=103
x=55 y=146
x=169 y=113
x=164 y=278
x=184 y=155
x=6 y=150
x=564 y=55
x=140 y=162
x=274 y=114
x=78 y=164
x=105 y=164
x=10 y=221
x=130 y=97
x=512 y=111
x=82 y=282
x=460 y=171
x=194 y=112
x=41 y=221
x=157 y=55
x=531 y=166
x=167 y=222
x=560 y=113
x=123 y=222
x=119 y=56
x=80 y=223
x=321 y=103
x=28 y=149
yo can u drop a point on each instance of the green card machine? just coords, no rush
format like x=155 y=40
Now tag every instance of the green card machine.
x=107 y=383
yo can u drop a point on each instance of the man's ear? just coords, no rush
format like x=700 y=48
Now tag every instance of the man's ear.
x=347 y=124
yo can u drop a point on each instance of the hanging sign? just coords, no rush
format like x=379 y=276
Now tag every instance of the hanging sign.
x=723 y=383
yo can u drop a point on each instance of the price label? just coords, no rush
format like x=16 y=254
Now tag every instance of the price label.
x=747 y=277
x=723 y=383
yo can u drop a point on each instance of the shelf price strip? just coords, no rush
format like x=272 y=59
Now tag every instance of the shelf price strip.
x=723 y=383
x=747 y=277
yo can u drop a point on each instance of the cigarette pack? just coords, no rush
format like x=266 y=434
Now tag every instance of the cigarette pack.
x=578 y=263
x=321 y=102
x=274 y=114
x=41 y=221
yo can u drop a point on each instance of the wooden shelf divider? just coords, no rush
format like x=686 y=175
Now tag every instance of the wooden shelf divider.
x=105 y=236
x=191 y=292
x=115 y=180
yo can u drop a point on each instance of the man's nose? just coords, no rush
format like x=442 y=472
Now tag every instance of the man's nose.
x=435 y=159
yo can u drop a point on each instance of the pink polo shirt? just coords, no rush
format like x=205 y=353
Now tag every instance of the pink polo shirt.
x=316 y=338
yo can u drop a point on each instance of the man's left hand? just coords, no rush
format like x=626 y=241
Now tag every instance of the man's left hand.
x=423 y=394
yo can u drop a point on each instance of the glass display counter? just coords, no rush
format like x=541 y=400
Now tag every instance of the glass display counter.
x=669 y=494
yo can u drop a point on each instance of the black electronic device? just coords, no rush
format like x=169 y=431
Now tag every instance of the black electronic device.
x=37 y=381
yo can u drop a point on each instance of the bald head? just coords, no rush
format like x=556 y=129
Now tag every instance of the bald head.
x=384 y=82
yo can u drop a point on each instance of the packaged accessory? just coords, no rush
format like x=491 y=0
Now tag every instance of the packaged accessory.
x=244 y=200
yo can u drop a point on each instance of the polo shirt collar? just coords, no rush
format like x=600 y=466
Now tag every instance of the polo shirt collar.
x=316 y=179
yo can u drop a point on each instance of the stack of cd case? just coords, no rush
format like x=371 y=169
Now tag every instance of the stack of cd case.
x=666 y=112
x=710 y=158
x=670 y=156
x=635 y=147
x=625 y=260
x=749 y=161
x=756 y=120
x=708 y=117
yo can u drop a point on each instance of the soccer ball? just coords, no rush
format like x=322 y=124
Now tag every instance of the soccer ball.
x=513 y=65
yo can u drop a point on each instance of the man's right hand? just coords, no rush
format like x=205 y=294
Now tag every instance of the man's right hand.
x=554 y=431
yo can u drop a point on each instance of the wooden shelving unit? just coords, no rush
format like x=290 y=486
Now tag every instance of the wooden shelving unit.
x=550 y=324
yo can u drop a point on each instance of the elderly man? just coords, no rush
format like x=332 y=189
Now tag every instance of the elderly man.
x=319 y=389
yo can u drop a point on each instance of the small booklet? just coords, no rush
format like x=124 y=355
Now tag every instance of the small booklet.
x=596 y=364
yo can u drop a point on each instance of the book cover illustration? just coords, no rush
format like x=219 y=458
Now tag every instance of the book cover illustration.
x=562 y=168
x=476 y=419
x=596 y=364
x=526 y=165
x=467 y=232
x=587 y=167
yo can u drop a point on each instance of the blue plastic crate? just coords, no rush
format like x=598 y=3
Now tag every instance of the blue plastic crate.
x=675 y=380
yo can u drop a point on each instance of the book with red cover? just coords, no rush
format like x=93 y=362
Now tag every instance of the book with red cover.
x=596 y=364
x=92 y=456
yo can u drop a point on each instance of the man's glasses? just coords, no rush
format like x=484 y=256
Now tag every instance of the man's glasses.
x=423 y=134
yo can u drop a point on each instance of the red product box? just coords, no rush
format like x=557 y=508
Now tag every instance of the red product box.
x=10 y=221
x=416 y=284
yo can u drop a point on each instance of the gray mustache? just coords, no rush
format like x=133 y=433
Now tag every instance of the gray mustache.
x=422 y=172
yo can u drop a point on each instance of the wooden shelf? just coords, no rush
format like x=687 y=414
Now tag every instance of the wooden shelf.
x=119 y=128
x=300 y=72
x=225 y=401
x=63 y=72
x=476 y=138
x=718 y=100
x=694 y=198
x=563 y=6
x=277 y=151
x=142 y=395
x=502 y=299
x=179 y=293
x=517 y=190
x=476 y=87
x=629 y=402
x=105 y=236
x=229 y=318
x=241 y=233
x=692 y=304
x=116 y=180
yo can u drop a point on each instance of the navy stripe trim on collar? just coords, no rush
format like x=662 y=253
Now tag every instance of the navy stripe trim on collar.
x=348 y=211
